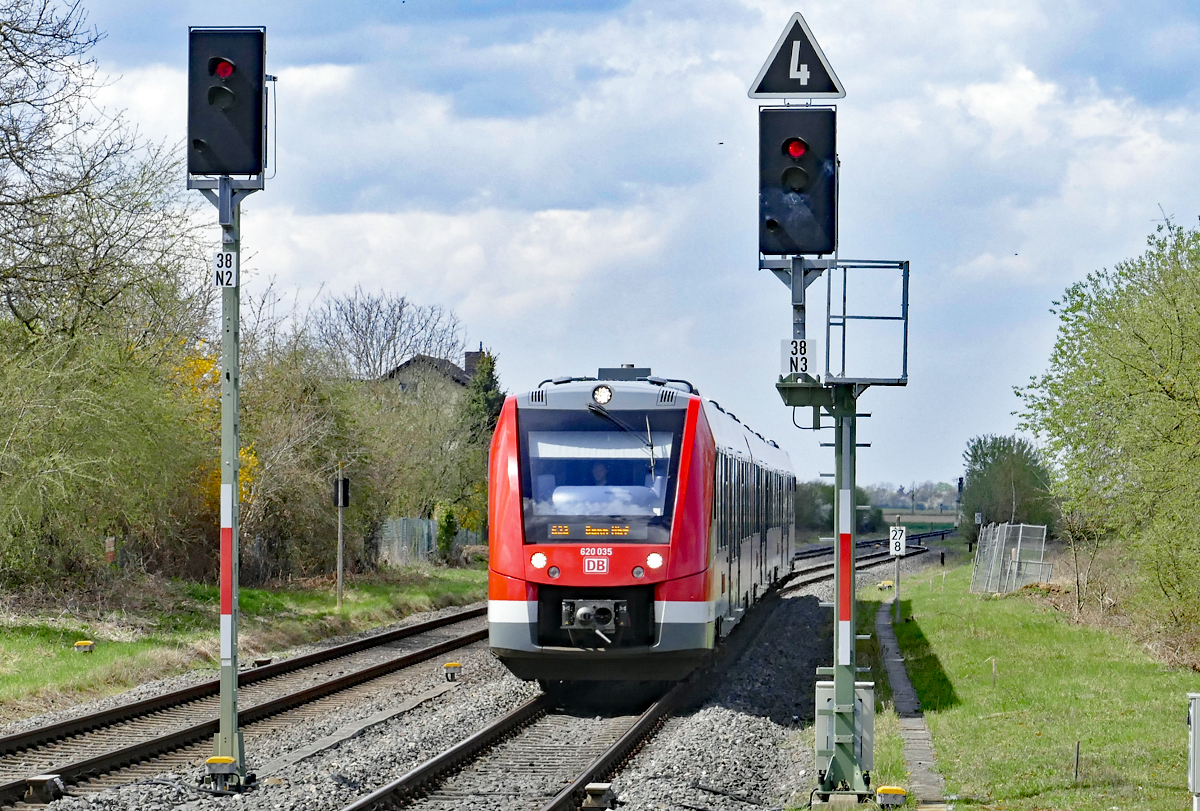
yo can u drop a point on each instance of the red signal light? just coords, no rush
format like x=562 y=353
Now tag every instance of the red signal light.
x=223 y=68
x=795 y=148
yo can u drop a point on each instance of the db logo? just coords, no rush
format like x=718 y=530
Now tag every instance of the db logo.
x=595 y=565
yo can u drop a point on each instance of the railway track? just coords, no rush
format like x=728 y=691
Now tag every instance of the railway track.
x=543 y=756
x=823 y=571
x=119 y=745
x=174 y=731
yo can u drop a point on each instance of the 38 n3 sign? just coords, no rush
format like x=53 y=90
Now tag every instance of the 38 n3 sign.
x=795 y=357
x=225 y=269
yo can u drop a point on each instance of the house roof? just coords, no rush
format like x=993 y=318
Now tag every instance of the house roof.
x=447 y=369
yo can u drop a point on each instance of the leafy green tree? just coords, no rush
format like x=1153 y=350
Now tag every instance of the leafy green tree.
x=1119 y=411
x=485 y=398
x=1007 y=481
x=447 y=529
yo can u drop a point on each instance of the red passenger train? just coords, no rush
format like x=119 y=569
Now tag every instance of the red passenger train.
x=632 y=525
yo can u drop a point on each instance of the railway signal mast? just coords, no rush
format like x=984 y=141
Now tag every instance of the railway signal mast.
x=226 y=156
x=797 y=231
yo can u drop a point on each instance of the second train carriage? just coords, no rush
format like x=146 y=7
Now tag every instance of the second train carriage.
x=632 y=525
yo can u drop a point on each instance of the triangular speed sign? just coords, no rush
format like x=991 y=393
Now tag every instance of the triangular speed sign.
x=796 y=68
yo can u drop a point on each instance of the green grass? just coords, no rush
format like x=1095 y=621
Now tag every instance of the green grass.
x=1012 y=746
x=176 y=630
x=889 y=746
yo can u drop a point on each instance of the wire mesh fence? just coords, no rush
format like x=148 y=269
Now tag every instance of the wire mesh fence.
x=1010 y=556
x=403 y=541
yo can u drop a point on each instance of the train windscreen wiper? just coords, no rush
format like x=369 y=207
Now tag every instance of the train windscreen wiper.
x=647 y=440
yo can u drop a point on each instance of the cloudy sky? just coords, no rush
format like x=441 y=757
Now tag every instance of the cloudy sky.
x=577 y=179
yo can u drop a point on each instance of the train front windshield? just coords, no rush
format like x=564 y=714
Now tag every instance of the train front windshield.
x=599 y=475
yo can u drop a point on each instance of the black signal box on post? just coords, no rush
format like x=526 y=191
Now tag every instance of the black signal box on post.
x=341 y=492
x=797 y=190
x=226 y=101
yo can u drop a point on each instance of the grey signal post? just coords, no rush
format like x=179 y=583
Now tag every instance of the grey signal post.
x=341 y=498
x=797 y=69
x=222 y=186
x=837 y=397
x=227 y=196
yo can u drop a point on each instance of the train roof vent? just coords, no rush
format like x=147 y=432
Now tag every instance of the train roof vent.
x=537 y=397
x=666 y=397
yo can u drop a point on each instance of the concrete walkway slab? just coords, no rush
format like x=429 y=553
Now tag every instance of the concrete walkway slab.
x=927 y=785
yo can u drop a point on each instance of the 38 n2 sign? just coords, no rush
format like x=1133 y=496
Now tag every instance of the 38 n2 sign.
x=794 y=357
x=225 y=269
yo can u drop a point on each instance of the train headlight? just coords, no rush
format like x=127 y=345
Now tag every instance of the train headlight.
x=538 y=560
x=654 y=560
x=602 y=394
x=639 y=572
x=553 y=571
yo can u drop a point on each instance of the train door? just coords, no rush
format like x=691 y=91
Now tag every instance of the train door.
x=745 y=568
x=760 y=528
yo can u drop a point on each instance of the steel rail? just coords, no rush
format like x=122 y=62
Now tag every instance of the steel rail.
x=828 y=550
x=398 y=791
x=868 y=562
x=647 y=724
x=15 y=791
x=14 y=744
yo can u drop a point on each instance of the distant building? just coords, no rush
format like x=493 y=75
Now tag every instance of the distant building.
x=420 y=369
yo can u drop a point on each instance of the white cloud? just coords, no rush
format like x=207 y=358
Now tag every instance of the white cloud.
x=153 y=97
x=584 y=194
x=492 y=265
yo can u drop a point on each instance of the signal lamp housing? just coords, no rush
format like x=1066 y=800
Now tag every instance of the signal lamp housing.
x=220 y=67
x=795 y=148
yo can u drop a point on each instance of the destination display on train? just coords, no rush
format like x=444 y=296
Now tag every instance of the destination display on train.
x=589 y=530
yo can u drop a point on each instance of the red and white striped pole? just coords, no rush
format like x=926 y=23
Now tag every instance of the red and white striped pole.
x=844 y=773
x=845 y=579
x=228 y=763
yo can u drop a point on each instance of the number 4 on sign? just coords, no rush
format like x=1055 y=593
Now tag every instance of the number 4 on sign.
x=225 y=269
x=899 y=541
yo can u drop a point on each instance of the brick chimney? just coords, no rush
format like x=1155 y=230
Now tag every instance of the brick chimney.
x=471 y=360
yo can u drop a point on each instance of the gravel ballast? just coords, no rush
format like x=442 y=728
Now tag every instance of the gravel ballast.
x=747 y=745
x=750 y=743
